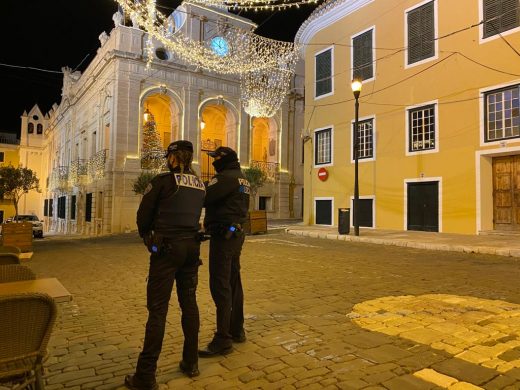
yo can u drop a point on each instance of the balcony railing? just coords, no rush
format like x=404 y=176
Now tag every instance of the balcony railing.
x=96 y=165
x=269 y=168
x=78 y=172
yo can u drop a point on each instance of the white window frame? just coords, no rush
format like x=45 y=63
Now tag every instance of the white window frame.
x=481 y=38
x=405 y=197
x=332 y=209
x=374 y=62
x=436 y=34
x=331 y=48
x=373 y=197
x=435 y=103
x=482 y=111
x=331 y=127
x=363 y=160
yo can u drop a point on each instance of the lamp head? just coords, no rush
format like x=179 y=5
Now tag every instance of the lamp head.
x=356 y=87
x=202 y=124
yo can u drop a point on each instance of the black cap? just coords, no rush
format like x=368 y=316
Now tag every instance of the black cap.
x=179 y=145
x=223 y=151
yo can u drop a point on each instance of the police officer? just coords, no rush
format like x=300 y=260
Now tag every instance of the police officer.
x=227 y=203
x=168 y=221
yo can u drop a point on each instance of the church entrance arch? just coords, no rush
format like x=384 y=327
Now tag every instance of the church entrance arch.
x=218 y=124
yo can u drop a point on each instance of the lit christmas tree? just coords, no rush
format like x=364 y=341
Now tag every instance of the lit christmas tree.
x=152 y=153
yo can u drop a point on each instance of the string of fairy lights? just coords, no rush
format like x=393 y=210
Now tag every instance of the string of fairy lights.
x=265 y=66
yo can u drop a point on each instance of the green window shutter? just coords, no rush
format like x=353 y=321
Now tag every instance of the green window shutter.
x=324 y=73
x=363 y=62
x=500 y=16
x=421 y=33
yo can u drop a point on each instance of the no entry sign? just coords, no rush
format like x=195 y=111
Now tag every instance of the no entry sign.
x=323 y=174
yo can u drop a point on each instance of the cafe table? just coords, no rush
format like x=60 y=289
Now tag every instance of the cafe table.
x=49 y=286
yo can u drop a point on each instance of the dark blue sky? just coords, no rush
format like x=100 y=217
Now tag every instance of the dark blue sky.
x=56 y=33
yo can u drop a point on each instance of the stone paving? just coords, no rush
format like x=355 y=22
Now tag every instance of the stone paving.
x=320 y=314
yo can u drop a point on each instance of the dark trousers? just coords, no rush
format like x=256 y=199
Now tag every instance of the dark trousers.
x=226 y=287
x=179 y=262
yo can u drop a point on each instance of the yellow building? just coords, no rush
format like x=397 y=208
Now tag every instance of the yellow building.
x=439 y=121
x=9 y=155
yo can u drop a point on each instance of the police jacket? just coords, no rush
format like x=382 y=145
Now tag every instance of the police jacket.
x=172 y=204
x=227 y=197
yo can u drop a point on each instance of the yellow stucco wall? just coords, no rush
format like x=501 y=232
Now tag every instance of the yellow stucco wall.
x=451 y=80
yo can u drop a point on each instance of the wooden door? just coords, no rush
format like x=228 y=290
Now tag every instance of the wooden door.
x=506 y=193
x=423 y=206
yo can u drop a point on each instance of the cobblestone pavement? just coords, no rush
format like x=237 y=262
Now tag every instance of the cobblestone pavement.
x=320 y=314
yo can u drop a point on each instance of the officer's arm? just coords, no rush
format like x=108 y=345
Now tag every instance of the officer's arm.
x=146 y=211
x=219 y=188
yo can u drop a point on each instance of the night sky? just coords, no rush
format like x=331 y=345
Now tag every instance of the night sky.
x=56 y=33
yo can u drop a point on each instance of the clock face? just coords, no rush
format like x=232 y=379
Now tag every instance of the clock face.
x=220 y=46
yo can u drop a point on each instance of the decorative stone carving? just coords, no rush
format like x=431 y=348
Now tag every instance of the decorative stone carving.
x=103 y=37
x=117 y=18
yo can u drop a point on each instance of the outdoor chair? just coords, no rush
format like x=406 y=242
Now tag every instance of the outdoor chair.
x=9 y=258
x=9 y=249
x=27 y=322
x=15 y=273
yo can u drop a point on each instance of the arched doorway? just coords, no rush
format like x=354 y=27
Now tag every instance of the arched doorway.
x=218 y=128
x=160 y=124
x=265 y=146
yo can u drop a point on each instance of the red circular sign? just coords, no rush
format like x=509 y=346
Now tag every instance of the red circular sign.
x=323 y=174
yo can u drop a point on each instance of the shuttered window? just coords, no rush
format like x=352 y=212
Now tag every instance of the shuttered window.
x=88 y=207
x=363 y=60
x=500 y=16
x=324 y=73
x=421 y=33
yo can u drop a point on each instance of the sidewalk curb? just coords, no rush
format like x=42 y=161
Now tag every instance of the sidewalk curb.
x=408 y=244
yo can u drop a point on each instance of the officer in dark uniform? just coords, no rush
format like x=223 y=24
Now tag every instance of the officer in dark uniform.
x=168 y=221
x=227 y=203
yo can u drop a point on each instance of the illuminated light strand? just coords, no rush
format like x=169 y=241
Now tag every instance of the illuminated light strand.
x=250 y=56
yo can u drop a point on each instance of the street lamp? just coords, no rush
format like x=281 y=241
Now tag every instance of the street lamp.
x=356 y=89
x=147 y=114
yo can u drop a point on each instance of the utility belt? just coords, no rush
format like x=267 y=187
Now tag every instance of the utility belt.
x=157 y=243
x=226 y=231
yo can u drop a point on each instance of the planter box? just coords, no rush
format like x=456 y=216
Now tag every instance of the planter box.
x=256 y=222
x=18 y=234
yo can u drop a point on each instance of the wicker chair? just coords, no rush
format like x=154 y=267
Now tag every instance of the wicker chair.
x=24 y=335
x=15 y=273
x=9 y=258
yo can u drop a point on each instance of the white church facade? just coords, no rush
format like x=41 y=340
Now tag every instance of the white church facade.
x=88 y=153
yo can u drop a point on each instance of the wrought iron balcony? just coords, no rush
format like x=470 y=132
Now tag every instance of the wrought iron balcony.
x=77 y=172
x=269 y=168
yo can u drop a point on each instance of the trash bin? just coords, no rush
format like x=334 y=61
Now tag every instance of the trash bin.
x=343 y=221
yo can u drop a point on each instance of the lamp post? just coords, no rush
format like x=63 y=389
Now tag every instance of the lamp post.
x=356 y=89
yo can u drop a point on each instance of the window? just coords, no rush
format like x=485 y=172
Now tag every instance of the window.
x=500 y=16
x=323 y=147
x=264 y=203
x=88 y=207
x=1 y=156
x=323 y=211
x=39 y=128
x=61 y=207
x=421 y=128
x=503 y=113
x=323 y=73
x=365 y=139
x=421 y=33
x=51 y=211
x=362 y=56
x=46 y=208
x=73 y=207
x=30 y=128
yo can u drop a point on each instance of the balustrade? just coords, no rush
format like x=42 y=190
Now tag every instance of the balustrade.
x=269 y=168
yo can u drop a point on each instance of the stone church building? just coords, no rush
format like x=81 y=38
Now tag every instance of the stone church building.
x=90 y=145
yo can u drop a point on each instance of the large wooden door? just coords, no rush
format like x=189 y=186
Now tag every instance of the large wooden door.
x=506 y=193
x=423 y=206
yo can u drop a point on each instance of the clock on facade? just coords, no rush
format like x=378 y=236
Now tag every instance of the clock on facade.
x=220 y=46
